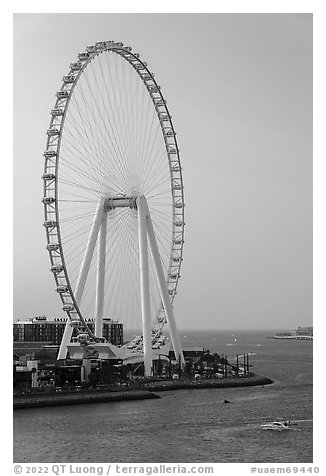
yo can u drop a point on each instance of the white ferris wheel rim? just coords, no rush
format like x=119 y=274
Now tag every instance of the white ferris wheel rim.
x=54 y=190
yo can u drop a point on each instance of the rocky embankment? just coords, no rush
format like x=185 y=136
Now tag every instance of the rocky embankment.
x=78 y=397
x=207 y=383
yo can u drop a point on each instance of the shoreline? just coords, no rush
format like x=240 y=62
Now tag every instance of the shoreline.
x=144 y=392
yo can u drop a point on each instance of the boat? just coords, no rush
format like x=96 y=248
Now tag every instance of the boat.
x=277 y=426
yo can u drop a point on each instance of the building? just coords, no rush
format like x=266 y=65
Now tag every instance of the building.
x=303 y=331
x=40 y=329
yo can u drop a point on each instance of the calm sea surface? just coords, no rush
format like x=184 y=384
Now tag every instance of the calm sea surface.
x=187 y=426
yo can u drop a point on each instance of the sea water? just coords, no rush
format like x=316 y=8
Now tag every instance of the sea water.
x=187 y=426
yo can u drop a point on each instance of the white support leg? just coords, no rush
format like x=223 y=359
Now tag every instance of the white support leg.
x=83 y=274
x=100 y=277
x=163 y=289
x=62 y=354
x=144 y=282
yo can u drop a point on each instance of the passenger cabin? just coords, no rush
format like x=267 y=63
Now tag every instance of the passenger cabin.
x=100 y=44
x=168 y=132
x=62 y=289
x=48 y=177
x=154 y=89
x=53 y=132
x=82 y=337
x=69 y=78
x=62 y=94
x=57 y=112
x=76 y=323
x=52 y=247
x=176 y=259
x=160 y=102
x=175 y=168
x=57 y=268
x=50 y=224
x=83 y=56
x=48 y=200
x=75 y=66
x=68 y=307
x=50 y=153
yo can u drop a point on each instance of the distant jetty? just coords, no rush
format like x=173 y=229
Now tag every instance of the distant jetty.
x=146 y=391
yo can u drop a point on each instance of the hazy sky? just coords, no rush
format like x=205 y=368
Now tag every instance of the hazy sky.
x=239 y=88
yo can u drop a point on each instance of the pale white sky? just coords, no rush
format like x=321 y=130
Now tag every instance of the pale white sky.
x=239 y=87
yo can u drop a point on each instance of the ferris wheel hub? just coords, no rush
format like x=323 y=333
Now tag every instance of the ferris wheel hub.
x=110 y=203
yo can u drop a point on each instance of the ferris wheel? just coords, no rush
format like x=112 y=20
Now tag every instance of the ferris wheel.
x=113 y=198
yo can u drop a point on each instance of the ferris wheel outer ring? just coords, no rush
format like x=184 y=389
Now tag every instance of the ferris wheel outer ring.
x=50 y=185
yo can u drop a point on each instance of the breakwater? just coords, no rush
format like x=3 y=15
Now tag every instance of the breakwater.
x=78 y=397
x=207 y=383
x=143 y=391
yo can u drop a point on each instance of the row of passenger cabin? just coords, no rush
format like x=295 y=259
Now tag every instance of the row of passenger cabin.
x=99 y=45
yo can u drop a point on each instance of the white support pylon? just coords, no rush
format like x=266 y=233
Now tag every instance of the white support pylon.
x=163 y=289
x=144 y=283
x=83 y=274
x=100 y=277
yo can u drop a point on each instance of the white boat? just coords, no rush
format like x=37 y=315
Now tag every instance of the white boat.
x=277 y=425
